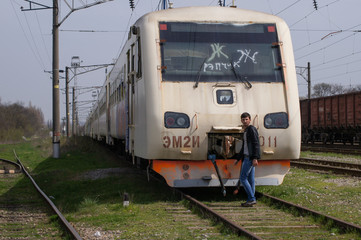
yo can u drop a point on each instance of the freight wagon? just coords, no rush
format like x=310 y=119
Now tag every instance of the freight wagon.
x=332 y=119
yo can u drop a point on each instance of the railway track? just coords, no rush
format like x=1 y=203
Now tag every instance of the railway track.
x=264 y=221
x=325 y=165
x=14 y=215
x=270 y=218
x=267 y=220
x=335 y=148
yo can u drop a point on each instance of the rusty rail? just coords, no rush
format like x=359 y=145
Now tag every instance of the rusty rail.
x=65 y=222
x=353 y=150
x=337 y=167
x=18 y=167
x=219 y=218
x=338 y=222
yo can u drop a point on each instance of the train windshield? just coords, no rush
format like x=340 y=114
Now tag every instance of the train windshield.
x=213 y=52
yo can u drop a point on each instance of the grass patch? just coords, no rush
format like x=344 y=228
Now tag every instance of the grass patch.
x=333 y=195
x=309 y=154
x=94 y=203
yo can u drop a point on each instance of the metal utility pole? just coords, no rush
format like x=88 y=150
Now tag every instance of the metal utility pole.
x=67 y=101
x=76 y=70
x=56 y=105
x=308 y=78
x=74 y=120
x=56 y=25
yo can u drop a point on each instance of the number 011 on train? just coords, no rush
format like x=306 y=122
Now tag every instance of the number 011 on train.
x=174 y=97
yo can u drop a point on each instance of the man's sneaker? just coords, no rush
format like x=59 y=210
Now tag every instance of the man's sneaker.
x=248 y=204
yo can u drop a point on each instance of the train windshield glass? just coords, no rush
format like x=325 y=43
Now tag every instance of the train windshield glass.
x=210 y=52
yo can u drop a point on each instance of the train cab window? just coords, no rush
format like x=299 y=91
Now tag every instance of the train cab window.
x=214 y=52
x=224 y=97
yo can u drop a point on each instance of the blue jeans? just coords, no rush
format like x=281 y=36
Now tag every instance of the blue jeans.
x=247 y=179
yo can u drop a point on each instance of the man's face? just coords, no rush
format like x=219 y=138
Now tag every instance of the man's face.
x=246 y=122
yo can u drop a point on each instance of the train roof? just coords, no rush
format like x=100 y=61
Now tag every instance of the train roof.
x=211 y=14
x=335 y=95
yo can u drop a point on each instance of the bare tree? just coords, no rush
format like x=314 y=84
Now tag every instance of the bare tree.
x=321 y=90
x=325 y=89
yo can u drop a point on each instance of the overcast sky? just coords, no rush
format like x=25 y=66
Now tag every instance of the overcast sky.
x=329 y=38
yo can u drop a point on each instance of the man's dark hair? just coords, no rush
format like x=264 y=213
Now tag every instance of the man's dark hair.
x=245 y=114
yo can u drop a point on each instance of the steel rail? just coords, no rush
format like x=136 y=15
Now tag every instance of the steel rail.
x=208 y=211
x=331 y=163
x=331 y=148
x=68 y=226
x=13 y=163
x=338 y=222
x=341 y=170
x=240 y=231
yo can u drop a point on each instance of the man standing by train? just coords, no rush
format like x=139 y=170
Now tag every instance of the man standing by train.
x=250 y=153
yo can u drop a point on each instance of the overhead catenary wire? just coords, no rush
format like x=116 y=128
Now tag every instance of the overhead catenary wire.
x=335 y=76
x=42 y=38
x=92 y=31
x=323 y=48
x=127 y=27
x=310 y=13
x=35 y=53
x=336 y=59
x=288 y=7
x=335 y=66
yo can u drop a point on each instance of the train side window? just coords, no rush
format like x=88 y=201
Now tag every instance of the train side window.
x=139 y=59
x=128 y=62
x=133 y=58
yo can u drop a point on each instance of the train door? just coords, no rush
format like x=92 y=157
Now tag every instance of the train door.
x=132 y=100
x=131 y=104
x=107 y=137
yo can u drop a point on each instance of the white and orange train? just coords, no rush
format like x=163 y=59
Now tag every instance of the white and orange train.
x=176 y=93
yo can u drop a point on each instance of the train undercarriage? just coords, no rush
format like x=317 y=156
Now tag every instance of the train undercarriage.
x=328 y=135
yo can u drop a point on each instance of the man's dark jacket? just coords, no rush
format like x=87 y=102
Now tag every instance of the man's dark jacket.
x=252 y=143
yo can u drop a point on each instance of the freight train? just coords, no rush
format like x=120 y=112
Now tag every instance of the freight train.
x=173 y=100
x=332 y=119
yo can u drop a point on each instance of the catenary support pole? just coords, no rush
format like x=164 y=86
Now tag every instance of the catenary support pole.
x=67 y=101
x=56 y=107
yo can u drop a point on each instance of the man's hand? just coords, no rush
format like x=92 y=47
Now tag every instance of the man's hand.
x=254 y=162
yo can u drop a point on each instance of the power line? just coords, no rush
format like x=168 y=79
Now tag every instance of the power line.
x=93 y=31
x=337 y=75
x=26 y=37
x=321 y=30
x=313 y=12
x=335 y=66
x=323 y=48
x=287 y=7
x=42 y=38
x=336 y=59
x=125 y=35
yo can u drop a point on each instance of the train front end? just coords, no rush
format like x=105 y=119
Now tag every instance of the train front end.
x=213 y=67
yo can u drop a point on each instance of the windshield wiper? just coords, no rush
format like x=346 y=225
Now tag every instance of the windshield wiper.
x=199 y=73
x=240 y=78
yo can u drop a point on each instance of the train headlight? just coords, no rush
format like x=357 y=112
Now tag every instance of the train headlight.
x=176 y=120
x=181 y=121
x=276 y=120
